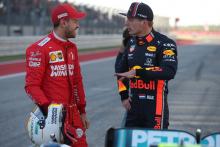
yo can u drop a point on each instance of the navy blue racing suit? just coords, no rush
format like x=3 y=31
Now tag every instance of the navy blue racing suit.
x=154 y=57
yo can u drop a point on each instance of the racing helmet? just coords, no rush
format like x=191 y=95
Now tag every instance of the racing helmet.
x=43 y=129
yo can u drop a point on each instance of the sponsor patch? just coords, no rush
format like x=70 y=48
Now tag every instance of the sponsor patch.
x=148 y=62
x=54 y=116
x=34 y=59
x=151 y=48
x=170 y=60
x=130 y=56
x=61 y=70
x=142 y=96
x=36 y=129
x=35 y=54
x=62 y=15
x=132 y=48
x=150 y=97
x=33 y=64
x=154 y=68
x=44 y=41
x=140 y=84
x=79 y=132
x=168 y=52
x=56 y=56
x=150 y=55
x=141 y=15
x=168 y=45
x=136 y=67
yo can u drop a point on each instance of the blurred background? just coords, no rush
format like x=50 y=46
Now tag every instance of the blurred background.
x=18 y=17
x=194 y=94
x=32 y=17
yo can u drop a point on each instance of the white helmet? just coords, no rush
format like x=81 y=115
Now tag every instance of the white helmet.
x=43 y=130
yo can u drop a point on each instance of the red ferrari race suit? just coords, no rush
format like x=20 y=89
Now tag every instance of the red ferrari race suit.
x=154 y=57
x=53 y=76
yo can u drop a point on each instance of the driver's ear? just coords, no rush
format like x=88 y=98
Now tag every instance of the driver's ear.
x=63 y=22
x=145 y=22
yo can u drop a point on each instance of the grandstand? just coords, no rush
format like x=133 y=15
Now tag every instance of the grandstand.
x=31 y=17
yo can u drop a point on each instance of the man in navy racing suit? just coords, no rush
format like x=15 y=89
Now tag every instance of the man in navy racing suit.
x=149 y=61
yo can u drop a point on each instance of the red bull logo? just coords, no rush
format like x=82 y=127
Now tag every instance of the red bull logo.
x=136 y=67
x=140 y=84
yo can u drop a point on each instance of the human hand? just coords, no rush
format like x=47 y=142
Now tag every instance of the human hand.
x=129 y=74
x=126 y=103
x=85 y=121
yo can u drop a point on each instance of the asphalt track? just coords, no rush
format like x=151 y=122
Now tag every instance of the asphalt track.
x=194 y=97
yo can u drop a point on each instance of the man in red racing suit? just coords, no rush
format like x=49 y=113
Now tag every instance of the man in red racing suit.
x=53 y=72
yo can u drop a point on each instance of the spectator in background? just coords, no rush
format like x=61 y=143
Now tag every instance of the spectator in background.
x=143 y=68
x=53 y=72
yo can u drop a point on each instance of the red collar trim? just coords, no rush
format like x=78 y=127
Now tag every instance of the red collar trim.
x=149 y=37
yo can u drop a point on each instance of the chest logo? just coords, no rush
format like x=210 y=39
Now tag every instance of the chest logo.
x=151 y=48
x=148 y=62
x=56 y=56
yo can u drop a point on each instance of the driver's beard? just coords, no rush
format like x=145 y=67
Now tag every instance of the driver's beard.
x=69 y=33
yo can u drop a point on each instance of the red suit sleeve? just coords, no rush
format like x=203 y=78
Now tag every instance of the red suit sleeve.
x=35 y=68
x=78 y=89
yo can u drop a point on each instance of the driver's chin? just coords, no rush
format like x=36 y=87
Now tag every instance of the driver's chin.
x=71 y=34
x=74 y=32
